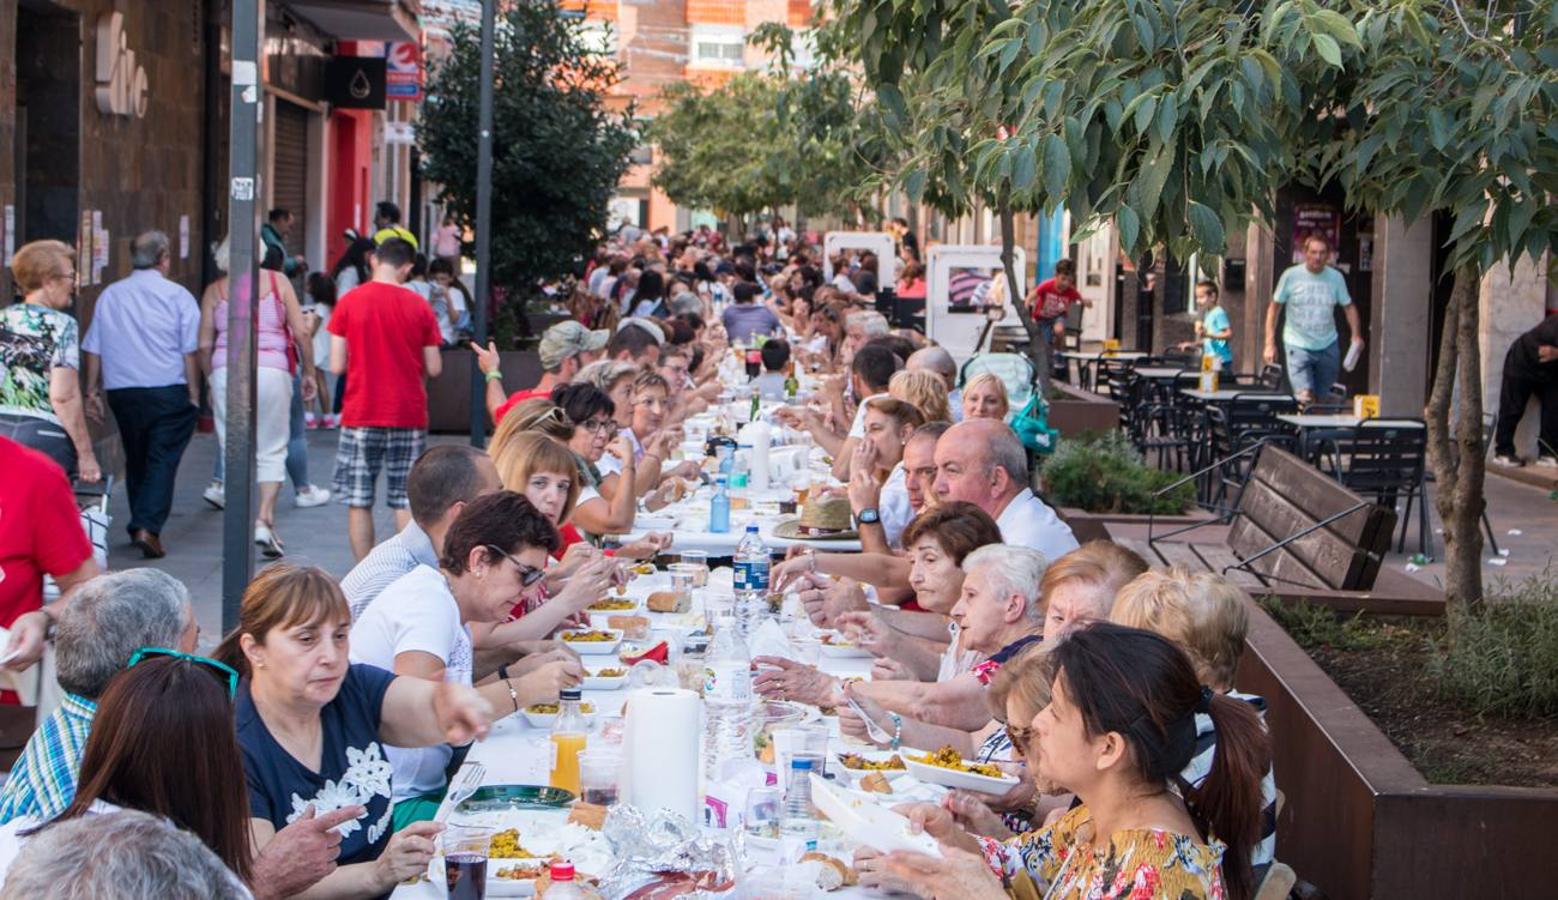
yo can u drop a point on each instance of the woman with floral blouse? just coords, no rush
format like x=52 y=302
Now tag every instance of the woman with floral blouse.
x=1119 y=728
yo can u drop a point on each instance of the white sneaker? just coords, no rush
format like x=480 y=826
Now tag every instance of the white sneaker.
x=1547 y=462
x=311 y=496
x=216 y=495
x=1511 y=460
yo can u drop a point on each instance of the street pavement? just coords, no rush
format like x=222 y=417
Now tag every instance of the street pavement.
x=193 y=535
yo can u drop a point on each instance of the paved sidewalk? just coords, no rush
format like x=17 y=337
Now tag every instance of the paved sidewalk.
x=193 y=534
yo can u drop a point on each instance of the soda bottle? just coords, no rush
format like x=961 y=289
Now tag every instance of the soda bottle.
x=569 y=732
x=563 y=884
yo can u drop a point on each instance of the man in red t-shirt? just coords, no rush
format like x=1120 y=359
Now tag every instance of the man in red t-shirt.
x=565 y=348
x=40 y=534
x=1050 y=300
x=384 y=337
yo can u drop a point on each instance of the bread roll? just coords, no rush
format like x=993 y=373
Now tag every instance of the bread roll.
x=833 y=874
x=669 y=602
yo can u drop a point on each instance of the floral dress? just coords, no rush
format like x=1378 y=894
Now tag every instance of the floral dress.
x=1060 y=863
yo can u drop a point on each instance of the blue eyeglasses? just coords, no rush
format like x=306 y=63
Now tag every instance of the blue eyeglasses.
x=221 y=669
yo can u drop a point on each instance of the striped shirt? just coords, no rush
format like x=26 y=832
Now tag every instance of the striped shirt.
x=1201 y=765
x=43 y=781
x=387 y=562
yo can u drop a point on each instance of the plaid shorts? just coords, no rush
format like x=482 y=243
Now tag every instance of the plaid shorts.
x=363 y=452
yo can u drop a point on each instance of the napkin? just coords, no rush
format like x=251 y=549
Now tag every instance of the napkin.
x=25 y=682
x=769 y=640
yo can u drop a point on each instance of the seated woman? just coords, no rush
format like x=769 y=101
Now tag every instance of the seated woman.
x=1081 y=586
x=649 y=442
x=1119 y=727
x=162 y=742
x=312 y=728
x=614 y=378
x=984 y=397
x=1207 y=616
x=593 y=435
x=925 y=390
x=998 y=612
x=421 y=625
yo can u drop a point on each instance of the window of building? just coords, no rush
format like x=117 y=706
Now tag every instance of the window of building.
x=598 y=37
x=723 y=46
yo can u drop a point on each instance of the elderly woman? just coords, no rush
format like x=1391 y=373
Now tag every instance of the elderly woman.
x=313 y=726
x=1120 y=725
x=1081 y=586
x=984 y=397
x=107 y=620
x=40 y=353
x=998 y=612
x=494 y=553
x=925 y=390
x=615 y=379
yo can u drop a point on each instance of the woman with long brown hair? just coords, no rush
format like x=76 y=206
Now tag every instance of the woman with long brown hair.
x=1118 y=730
x=162 y=742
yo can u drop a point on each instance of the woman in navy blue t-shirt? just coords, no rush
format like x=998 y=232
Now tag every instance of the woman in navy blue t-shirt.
x=312 y=727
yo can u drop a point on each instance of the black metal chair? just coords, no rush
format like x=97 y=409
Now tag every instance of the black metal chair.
x=1245 y=420
x=1384 y=459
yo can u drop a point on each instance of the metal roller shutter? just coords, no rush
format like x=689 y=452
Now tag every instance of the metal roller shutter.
x=289 y=175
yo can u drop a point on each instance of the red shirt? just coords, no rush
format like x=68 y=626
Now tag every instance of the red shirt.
x=513 y=400
x=1050 y=302
x=40 y=528
x=386 y=327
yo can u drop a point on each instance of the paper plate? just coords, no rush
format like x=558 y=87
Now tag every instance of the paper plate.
x=593 y=682
x=839 y=648
x=853 y=776
x=593 y=648
x=867 y=823
x=545 y=720
x=952 y=778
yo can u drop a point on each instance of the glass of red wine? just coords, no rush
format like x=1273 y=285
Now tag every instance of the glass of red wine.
x=466 y=848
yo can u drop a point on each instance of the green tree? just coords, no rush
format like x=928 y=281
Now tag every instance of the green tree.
x=558 y=152
x=1453 y=111
x=713 y=146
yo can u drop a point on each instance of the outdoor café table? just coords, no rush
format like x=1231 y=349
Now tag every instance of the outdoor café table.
x=1307 y=424
x=1224 y=395
x=514 y=752
x=1086 y=361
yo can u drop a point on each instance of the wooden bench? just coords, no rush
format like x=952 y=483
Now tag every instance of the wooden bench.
x=1296 y=535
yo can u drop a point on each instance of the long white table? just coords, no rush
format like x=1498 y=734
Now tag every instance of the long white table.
x=516 y=753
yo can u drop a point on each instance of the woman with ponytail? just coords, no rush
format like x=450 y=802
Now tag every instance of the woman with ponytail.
x=1120 y=727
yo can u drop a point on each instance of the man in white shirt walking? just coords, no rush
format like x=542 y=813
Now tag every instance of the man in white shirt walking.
x=983 y=462
x=142 y=339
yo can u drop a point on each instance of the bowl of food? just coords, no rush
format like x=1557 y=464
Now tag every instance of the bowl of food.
x=948 y=768
x=542 y=715
x=859 y=765
x=614 y=604
x=607 y=678
x=593 y=641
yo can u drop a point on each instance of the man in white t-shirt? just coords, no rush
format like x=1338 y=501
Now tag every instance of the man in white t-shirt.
x=983 y=462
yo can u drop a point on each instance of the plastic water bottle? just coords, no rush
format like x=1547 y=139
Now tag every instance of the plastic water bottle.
x=798 y=826
x=751 y=563
x=719 y=507
x=727 y=700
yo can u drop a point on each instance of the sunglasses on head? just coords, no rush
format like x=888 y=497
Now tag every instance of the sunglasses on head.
x=1019 y=736
x=528 y=574
x=220 y=669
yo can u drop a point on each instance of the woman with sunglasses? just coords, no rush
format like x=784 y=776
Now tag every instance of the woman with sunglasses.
x=419 y=626
x=312 y=728
x=591 y=412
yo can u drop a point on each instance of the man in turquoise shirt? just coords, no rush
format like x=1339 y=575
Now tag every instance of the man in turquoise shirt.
x=1310 y=291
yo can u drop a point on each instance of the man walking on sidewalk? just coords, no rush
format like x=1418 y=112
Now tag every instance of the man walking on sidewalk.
x=384 y=338
x=143 y=337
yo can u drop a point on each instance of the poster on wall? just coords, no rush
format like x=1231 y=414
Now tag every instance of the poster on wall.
x=1315 y=218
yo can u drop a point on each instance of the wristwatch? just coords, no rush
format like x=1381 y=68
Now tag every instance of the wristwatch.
x=868 y=516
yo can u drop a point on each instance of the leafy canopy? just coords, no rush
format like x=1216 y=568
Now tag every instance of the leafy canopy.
x=558 y=152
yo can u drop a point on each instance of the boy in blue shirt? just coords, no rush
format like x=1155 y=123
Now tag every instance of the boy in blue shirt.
x=1213 y=328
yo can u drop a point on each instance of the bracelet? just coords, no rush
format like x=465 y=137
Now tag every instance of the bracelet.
x=897 y=730
x=494 y=375
x=513 y=694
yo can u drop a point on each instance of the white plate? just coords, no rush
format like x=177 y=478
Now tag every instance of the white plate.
x=868 y=823
x=840 y=649
x=952 y=778
x=853 y=776
x=543 y=832
x=631 y=610
x=593 y=648
x=545 y=720
x=593 y=682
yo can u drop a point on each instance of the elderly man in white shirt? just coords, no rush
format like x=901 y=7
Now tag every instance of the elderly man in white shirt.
x=983 y=462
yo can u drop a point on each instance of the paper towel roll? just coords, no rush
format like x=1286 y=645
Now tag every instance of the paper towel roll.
x=661 y=742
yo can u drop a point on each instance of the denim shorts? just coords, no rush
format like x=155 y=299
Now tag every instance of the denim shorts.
x=1314 y=370
x=364 y=452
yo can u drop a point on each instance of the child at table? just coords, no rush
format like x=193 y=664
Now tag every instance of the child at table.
x=1213 y=329
x=1050 y=300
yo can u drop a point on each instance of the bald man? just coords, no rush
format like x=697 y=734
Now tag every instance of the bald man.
x=939 y=362
x=982 y=462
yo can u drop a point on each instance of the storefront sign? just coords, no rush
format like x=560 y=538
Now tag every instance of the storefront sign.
x=355 y=82
x=1311 y=219
x=403 y=63
x=121 y=81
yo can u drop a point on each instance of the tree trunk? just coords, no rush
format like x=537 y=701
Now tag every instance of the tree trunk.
x=1455 y=449
x=1038 y=347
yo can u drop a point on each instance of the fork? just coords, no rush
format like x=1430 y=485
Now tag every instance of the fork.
x=872 y=729
x=465 y=783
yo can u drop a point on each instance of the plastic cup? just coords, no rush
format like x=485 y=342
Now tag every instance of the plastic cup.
x=466 y=848
x=700 y=559
x=598 y=773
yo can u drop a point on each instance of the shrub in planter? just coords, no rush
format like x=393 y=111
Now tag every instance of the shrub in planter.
x=1501 y=656
x=1101 y=472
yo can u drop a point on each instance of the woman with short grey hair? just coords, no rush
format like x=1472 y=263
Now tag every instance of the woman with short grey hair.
x=107 y=620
